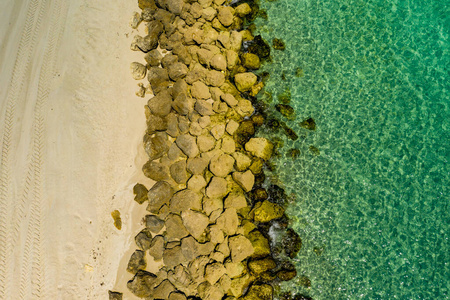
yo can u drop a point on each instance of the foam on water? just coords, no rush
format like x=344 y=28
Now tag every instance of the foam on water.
x=372 y=208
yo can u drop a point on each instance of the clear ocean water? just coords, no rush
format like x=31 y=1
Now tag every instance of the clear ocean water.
x=373 y=208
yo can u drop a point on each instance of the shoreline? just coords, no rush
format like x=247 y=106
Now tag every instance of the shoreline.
x=211 y=216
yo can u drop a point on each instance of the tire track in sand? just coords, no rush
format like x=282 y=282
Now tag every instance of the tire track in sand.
x=35 y=281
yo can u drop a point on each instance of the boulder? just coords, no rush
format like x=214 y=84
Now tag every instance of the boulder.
x=218 y=62
x=195 y=223
x=225 y=15
x=244 y=81
x=173 y=257
x=143 y=239
x=177 y=296
x=155 y=146
x=197 y=165
x=228 y=221
x=138 y=70
x=245 y=108
x=236 y=201
x=260 y=244
x=155 y=170
x=137 y=262
x=205 y=143
x=204 y=108
x=240 y=247
x=175 y=229
x=153 y=223
x=232 y=126
x=217 y=187
x=218 y=130
x=187 y=144
x=221 y=165
x=228 y=145
x=196 y=183
x=184 y=200
x=251 y=61
x=260 y=147
x=215 y=78
x=115 y=295
x=259 y=292
x=268 y=211
x=229 y=99
x=246 y=179
x=158 y=195
x=213 y=272
x=243 y=9
x=178 y=172
x=153 y=58
x=158 y=78
x=242 y=161
x=161 y=104
x=177 y=71
x=157 y=247
x=212 y=204
x=142 y=284
x=262 y=265
x=278 y=44
x=183 y=104
x=163 y=290
x=209 y=13
x=200 y=91
x=145 y=44
x=140 y=192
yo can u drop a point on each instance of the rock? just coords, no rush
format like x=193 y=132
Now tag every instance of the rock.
x=177 y=296
x=173 y=257
x=200 y=91
x=178 y=172
x=239 y=285
x=212 y=204
x=259 y=47
x=158 y=78
x=183 y=104
x=195 y=223
x=142 y=284
x=309 y=124
x=287 y=274
x=143 y=239
x=218 y=62
x=285 y=110
x=291 y=243
x=228 y=221
x=197 y=165
x=187 y=144
x=140 y=192
x=242 y=161
x=196 y=183
x=250 y=61
x=314 y=150
x=161 y=104
x=217 y=187
x=144 y=44
x=245 y=108
x=138 y=70
x=243 y=9
x=155 y=170
x=156 y=146
x=215 y=78
x=177 y=71
x=260 y=147
x=221 y=165
x=157 y=247
x=229 y=99
x=204 y=108
x=153 y=58
x=197 y=268
x=137 y=262
x=246 y=180
x=278 y=44
x=234 y=269
x=168 y=60
x=268 y=211
x=153 y=223
x=262 y=265
x=232 y=59
x=156 y=123
x=294 y=153
x=196 y=10
x=183 y=55
x=198 y=72
x=185 y=199
x=163 y=290
x=244 y=81
x=205 y=143
x=259 y=292
x=232 y=126
x=216 y=234
x=218 y=131
x=225 y=15
x=228 y=145
x=115 y=295
x=175 y=229
x=236 y=41
x=260 y=244
x=158 y=195
x=209 y=13
x=214 y=271
x=236 y=201
x=204 y=121
x=240 y=247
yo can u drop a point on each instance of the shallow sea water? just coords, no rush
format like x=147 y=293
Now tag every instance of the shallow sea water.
x=373 y=207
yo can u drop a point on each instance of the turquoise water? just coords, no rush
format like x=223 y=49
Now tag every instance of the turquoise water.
x=373 y=207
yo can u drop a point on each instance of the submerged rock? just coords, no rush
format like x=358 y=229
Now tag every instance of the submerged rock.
x=244 y=81
x=285 y=110
x=278 y=44
x=137 y=261
x=294 y=153
x=268 y=211
x=143 y=239
x=259 y=47
x=309 y=124
x=314 y=150
x=260 y=147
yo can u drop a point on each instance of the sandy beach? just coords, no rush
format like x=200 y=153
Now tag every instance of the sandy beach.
x=71 y=133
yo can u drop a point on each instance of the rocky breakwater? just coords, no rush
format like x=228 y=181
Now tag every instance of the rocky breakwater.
x=209 y=215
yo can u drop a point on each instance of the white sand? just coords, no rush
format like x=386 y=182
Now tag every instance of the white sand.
x=70 y=132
